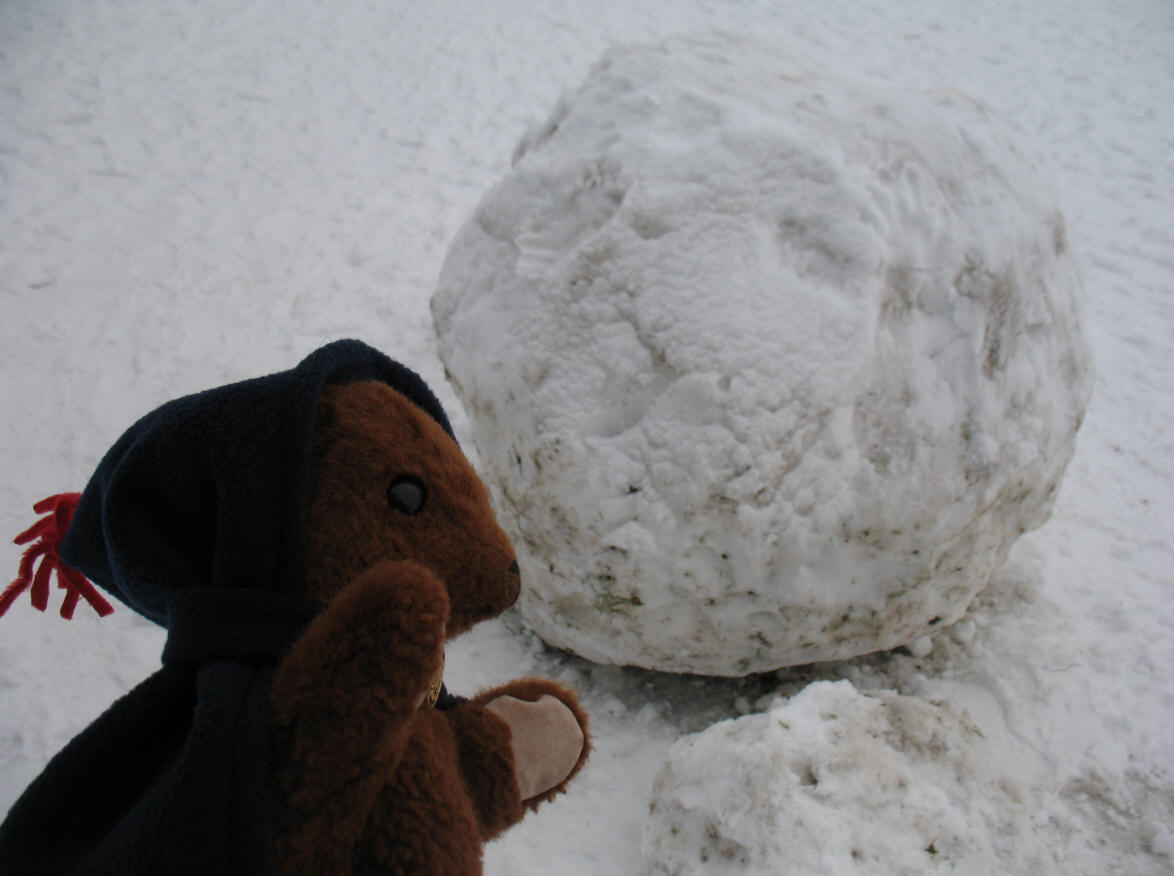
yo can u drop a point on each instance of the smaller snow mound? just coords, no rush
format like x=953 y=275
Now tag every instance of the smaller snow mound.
x=836 y=781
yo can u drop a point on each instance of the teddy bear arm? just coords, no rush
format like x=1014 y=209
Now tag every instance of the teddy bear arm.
x=343 y=704
x=378 y=643
x=487 y=767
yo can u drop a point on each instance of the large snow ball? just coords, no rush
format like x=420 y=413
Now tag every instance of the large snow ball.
x=836 y=781
x=766 y=363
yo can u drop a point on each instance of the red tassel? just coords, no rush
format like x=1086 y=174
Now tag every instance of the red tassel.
x=46 y=535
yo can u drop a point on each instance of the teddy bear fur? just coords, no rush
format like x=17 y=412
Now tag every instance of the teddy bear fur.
x=368 y=776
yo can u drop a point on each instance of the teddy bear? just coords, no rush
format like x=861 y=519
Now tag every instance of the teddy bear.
x=310 y=540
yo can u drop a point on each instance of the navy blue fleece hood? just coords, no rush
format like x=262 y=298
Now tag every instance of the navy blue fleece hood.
x=209 y=490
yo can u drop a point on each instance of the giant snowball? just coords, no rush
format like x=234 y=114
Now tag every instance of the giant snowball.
x=766 y=363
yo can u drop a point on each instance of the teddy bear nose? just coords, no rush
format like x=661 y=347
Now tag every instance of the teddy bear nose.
x=515 y=582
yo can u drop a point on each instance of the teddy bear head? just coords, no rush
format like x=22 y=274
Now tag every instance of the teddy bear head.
x=388 y=483
x=232 y=516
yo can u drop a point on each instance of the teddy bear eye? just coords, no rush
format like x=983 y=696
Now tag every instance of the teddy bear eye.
x=407 y=494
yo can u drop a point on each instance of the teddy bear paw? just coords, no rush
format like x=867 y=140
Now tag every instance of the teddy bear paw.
x=547 y=741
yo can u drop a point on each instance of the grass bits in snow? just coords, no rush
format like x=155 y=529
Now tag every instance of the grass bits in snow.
x=837 y=781
x=766 y=363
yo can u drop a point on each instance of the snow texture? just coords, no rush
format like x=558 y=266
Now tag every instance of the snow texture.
x=197 y=193
x=767 y=363
x=838 y=781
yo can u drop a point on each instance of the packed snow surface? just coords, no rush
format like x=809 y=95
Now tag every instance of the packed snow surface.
x=835 y=781
x=766 y=362
x=197 y=193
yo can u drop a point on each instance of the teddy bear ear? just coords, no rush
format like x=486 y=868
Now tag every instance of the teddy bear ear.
x=327 y=412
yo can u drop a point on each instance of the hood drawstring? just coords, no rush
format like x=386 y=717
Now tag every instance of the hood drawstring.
x=48 y=533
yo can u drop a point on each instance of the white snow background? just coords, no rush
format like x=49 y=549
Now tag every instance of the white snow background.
x=192 y=194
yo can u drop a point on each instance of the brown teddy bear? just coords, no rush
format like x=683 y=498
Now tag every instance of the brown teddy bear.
x=310 y=540
x=405 y=552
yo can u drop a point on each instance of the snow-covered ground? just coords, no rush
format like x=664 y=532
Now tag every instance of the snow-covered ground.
x=200 y=193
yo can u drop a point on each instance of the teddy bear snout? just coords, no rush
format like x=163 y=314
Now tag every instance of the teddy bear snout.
x=504 y=593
